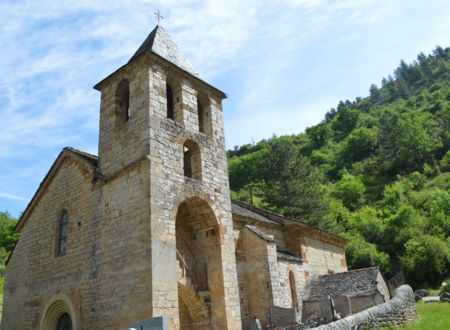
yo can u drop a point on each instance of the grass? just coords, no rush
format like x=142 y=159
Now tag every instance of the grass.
x=435 y=316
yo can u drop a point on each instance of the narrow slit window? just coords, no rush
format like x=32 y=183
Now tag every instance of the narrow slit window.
x=169 y=95
x=187 y=162
x=123 y=100
x=201 y=115
x=62 y=234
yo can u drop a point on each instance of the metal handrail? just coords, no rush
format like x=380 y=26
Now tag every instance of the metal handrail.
x=188 y=270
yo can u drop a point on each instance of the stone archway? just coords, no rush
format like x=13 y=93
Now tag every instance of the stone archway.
x=200 y=276
x=59 y=314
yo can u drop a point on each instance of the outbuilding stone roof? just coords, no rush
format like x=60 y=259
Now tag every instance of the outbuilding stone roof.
x=353 y=283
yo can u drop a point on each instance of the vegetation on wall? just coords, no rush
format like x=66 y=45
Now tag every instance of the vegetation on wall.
x=376 y=170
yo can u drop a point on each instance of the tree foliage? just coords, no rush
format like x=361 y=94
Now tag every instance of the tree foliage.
x=8 y=238
x=377 y=170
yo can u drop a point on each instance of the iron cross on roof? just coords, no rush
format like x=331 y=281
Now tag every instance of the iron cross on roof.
x=158 y=16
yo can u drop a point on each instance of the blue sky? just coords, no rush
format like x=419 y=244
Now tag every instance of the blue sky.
x=283 y=64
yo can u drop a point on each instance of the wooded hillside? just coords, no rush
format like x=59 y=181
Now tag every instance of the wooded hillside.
x=376 y=170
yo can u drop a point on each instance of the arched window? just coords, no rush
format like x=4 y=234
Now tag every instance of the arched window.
x=293 y=290
x=62 y=234
x=123 y=100
x=204 y=114
x=64 y=322
x=191 y=160
x=169 y=94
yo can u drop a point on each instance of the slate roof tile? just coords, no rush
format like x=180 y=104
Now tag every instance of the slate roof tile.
x=160 y=43
x=353 y=283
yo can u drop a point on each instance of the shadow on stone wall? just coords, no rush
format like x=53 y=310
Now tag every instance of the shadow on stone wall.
x=398 y=312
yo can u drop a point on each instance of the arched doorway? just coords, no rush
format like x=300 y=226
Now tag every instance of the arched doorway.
x=200 y=277
x=64 y=322
x=58 y=314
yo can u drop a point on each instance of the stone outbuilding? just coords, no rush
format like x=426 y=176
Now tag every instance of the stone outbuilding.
x=351 y=291
x=147 y=229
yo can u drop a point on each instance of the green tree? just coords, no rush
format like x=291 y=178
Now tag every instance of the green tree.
x=292 y=187
x=360 y=144
x=8 y=237
x=319 y=134
x=426 y=260
x=344 y=122
x=361 y=254
x=368 y=222
x=406 y=224
x=445 y=162
x=407 y=141
x=350 y=190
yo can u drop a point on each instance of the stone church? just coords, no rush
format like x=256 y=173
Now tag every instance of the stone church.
x=147 y=229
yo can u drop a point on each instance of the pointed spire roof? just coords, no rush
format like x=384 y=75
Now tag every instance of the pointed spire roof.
x=160 y=43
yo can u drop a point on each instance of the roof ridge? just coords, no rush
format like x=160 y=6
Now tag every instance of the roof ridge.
x=260 y=209
x=81 y=153
x=91 y=159
x=351 y=271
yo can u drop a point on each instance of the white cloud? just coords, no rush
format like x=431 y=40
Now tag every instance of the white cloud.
x=54 y=51
x=9 y=196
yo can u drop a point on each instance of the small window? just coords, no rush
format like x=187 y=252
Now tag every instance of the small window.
x=201 y=119
x=169 y=95
x=191 y=160
x=123 y=100
x=187 y=162
x=62 y=234
x=204 y=114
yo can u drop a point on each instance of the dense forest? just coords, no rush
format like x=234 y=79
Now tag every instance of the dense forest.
x=376 y=170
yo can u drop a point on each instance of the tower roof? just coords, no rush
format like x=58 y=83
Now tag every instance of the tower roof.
x=160 y=43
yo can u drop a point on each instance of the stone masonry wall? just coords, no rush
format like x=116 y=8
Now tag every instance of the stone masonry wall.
x=321 y=258
x=34 y=273
x=169 y=188
x=254 y=281
x=398 y=312
x=284 y=294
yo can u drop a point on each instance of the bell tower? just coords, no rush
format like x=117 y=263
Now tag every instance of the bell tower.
x=157 y=111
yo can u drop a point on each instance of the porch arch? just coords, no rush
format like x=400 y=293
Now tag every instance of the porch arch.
x=199 y=256
x=58 y=307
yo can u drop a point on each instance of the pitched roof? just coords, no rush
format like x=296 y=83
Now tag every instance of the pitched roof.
x=260 y=233
x=256 y=213
x=237 y=209
x=92 y=160
x=353 y=283
x=160 y=43
x=287 y=254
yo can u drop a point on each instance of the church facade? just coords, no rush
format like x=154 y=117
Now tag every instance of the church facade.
x=147 y=228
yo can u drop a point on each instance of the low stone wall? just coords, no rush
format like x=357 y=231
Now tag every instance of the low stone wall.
x=397 y=312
